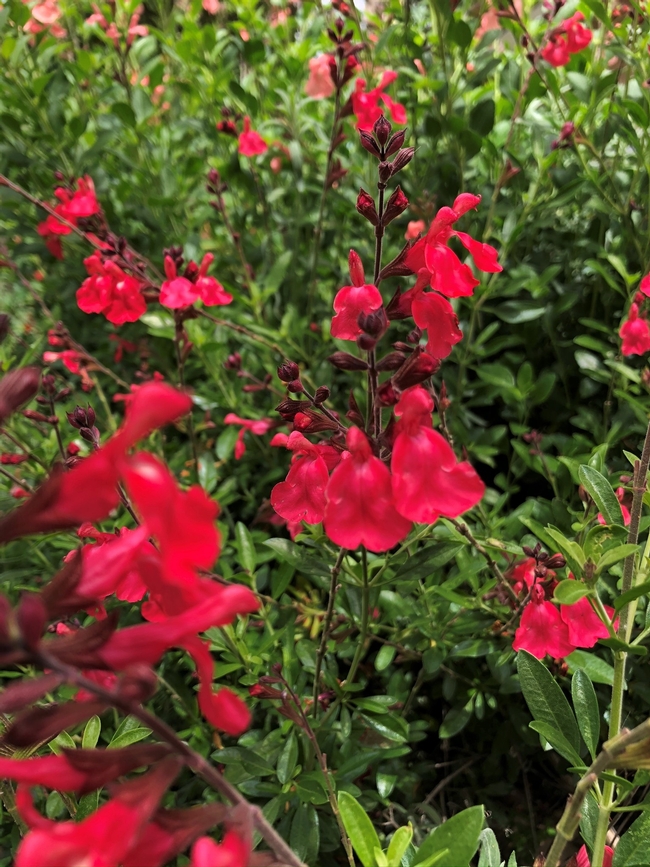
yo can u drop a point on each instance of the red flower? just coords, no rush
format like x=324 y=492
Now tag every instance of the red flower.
x=349 y=302
x=111 y=291
x=210 y=290
x=427 y=480
x=543 y=631
x=584 y=626
x=301 y=497
x=320 y=84
x=582 y=858
x=69 y=357
x=366 y=105
x=435 y=315
x=258 y=426
x=177 y=291
x=251 y=143
x=111 y=566
x=72 y=205
x=567 y=39
x=644 y=285
x=446 y=273
x=233 y=852
x=360 y=508
x=635 y=333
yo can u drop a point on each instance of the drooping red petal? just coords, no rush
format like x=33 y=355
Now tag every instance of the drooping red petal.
x=223 y=709
x=234 y=851
x=301 y=497
x=349 y=302
x=584 y=625
x=360 y=509
x=484 y=256
x=449 y=275
x=435 y=314
x=543 y=631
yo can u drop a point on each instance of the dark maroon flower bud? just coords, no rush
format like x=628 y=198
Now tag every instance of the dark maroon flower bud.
x=81 y=418
x=31 y=616
x=443 y=401
x=233 y=362
x=90 y=434
x=346 y=361
x=288 y=371
x=366 y=207
x=402 y=159
x=392 y=361
x=395 y=206
x=415 y=335
x=62 y=395
x=382 y=130
x=20 y=694
x=385 y=171
x=557 y=561
x=296 y=386
x=397 y=267
x=395 y=143
x=288 y=408
x=354 y=413
x=192 y=271
x=374 y=323
x=48 y=383
x=35 y=416
x=321 y=394
x=366 y=342
x=420 y=366
x=368 y=142
x=386 y=394
x=227 y=127
x=16 y=388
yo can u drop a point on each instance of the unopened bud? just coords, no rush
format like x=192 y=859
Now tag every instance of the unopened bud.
x=321 y=394
x=295 y=386
x=233 y=362
x=357 y=275
x=402 y=159
x=81 y=418
x=366 y=207
x=395 y=206
x=368 y=142
x=382 y=130
x=16 y=388
x=392 y=361
x=346 y=361
x=396 y=142
x=374 y=323
x=138 y=683
x=366 y=342
x=557 y=561
x=385 y=170
x=414 y=336
x=288 y=371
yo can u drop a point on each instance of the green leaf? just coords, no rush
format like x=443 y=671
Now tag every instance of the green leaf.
x=585 y=705
x=617 y=644
x=631 y=595
x=426 y=561
x=385 y=657
x=455 y=721
x=545 y=699
x=557 y=740
x=359 y=828
x=634 y=845
x=598 y=670
x=288 y=759
x=569 y=592
x=613 y=556
x=91 y=733
x=304 y=838
x=398 y=845
x=512 y=860
x=572 y=551
x=602 y=494
x=246 y=547
x=459 y=836
x=490 y=854
x=132 y=736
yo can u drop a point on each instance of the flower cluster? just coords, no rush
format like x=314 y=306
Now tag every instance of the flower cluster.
x=108 y=289
x=74 y=204
x=365 y=104
x=45 y=16
x=546 y=628
x=570 y=37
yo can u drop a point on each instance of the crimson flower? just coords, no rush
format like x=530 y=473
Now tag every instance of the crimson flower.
x=301 y=497
x=584 y=626
x=69 y=358
x=582 y=857
x=258 y=426
x=352 y=301
x=427 y=480
x=210 y=289
x=251 y=143
x=360 y=509
x=635 y=333
x=435 y=315
x=111 y=291
x=73 y=205
x=176 y=291
x=234 y=851
x=567 y=39
x=542 y=630
x=620 y=494
x=445 y=272
x=366 y=105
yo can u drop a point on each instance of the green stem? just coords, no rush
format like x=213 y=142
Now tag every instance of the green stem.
x=327 y=622
x=365 y=616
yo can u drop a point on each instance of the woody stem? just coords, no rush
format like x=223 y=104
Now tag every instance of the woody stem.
x=194 y=760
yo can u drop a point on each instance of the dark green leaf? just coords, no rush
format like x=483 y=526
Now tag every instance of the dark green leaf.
x=634 y=845
x=602 y=493
x=545 y=699
x=459 y=835
x=585 y=705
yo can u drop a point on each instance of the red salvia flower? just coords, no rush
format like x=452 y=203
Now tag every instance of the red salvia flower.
x=72 y=205
x=210 y=290
x=567 y=39
x=177 y=291
x=435 y=315
x=635 y=333
x=69 y=358
x=366 y=105
x=352 y=301
x=111 y=291
x=301 y=497
x=251 y=143
x=360 y=508
x=427 y=479
x=257 y=426
x=234 y=851
x=542 y=630
x=584 y=626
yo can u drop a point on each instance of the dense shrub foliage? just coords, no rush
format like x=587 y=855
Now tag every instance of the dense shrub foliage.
x=323 y=338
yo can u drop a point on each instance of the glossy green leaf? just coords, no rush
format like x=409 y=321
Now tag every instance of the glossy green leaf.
x=398 y=845
x=359 y=828
x=91 y=733
x=586 y=709
x=602 y=494
x=246 y=547
x=569 y=592
x=557 y=740
x=545 y=699
x=288 y=759
x=614 y=555
x=490 y=855
x=633 y=847
x=458 y=835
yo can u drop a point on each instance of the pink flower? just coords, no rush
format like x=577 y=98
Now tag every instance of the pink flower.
x=320 y=84
x=635 y=333
x=427 y=480
x=211 y=6
x=349 y=302
x=234 y=851
x=70 y=358
x=366 y=105
x=414 y=228
x=582 y=858
x=258 y=426
x=251 y=143
x=176 y=291
x=302 y=496
x=360 y=509
x=584 y=626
